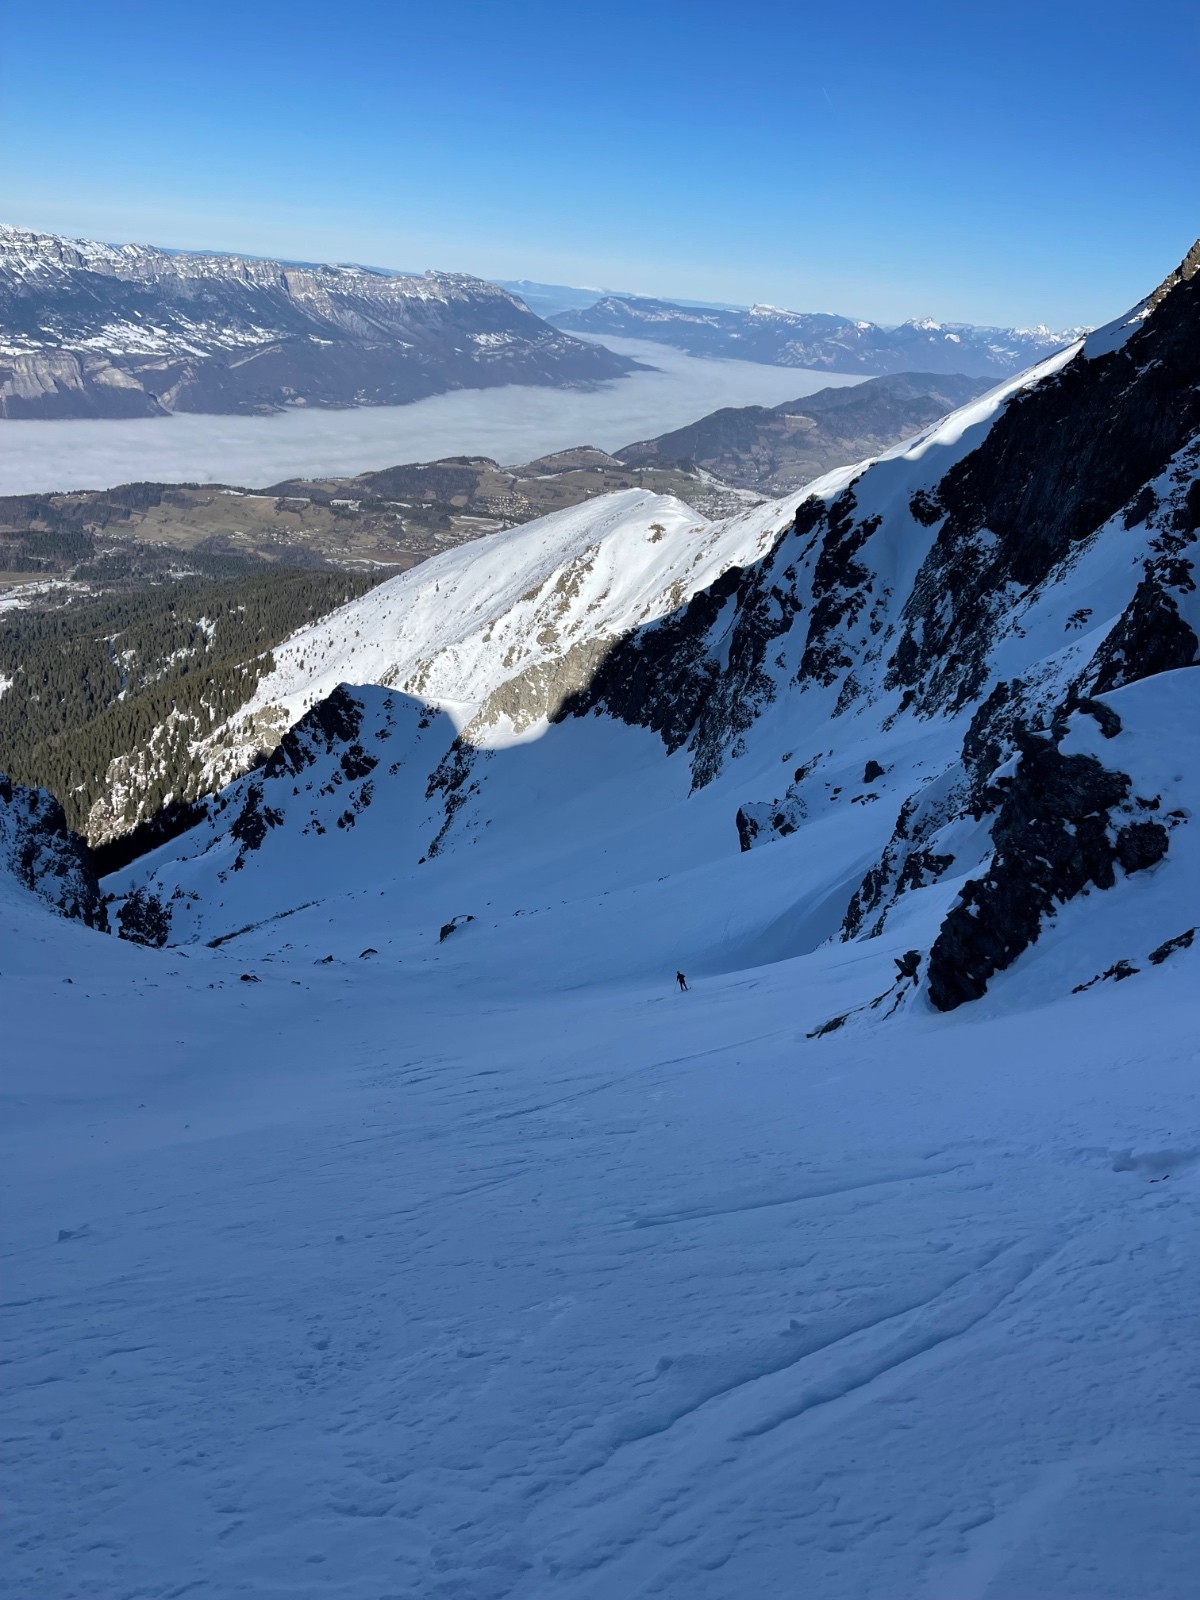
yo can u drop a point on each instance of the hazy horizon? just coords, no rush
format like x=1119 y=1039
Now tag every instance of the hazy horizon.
x=250 y=451
x=883 y=164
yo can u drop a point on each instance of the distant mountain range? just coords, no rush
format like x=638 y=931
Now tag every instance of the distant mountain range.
x=548 y=299
x=99 y=330
x=774 y=450
x=817 y=340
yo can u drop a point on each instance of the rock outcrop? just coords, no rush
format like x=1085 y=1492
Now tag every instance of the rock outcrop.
x=1060 y=828
x=42 y=854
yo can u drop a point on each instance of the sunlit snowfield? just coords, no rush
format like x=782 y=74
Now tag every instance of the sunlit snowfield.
x=485 y=1271
x=509 y=424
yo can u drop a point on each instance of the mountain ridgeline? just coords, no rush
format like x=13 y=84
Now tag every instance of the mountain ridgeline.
x=776 y=450
x=817 y=340
x=63 y=730
x=664 y=1064
x=97 y=330
x=943 y=706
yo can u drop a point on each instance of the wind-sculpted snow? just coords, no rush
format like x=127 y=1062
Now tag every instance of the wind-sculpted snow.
x=449 y=1268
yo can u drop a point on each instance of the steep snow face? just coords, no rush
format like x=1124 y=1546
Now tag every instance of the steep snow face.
x=880 y=683
x=500 y=634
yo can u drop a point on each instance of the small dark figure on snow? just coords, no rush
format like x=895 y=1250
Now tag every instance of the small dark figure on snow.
x=908 y=965
x=682 y=982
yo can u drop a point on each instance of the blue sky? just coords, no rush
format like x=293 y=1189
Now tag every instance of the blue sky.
x=1015 y=163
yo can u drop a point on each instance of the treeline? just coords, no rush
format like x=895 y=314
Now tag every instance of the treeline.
x=142 y=677
x=48 y=550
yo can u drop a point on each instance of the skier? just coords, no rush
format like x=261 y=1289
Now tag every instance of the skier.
x=682 y=982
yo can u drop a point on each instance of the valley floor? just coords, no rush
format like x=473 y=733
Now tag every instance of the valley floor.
x=42 y=456
x=369 y=1280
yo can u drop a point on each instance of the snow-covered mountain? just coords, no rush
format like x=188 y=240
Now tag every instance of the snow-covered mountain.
x=930 y=687
x=400 y=1226
x=818 y=340
x=90 y=329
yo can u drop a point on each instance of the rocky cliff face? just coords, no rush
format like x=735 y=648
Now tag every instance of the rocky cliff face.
x=952 y=693
x=39 y=851
x=117 y=331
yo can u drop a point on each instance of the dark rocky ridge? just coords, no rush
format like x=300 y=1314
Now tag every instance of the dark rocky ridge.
x=41 y=853
x=1058 y=831
x=1060 y=460
x=1059 y=463
x=1149 y=637
x=332 y=725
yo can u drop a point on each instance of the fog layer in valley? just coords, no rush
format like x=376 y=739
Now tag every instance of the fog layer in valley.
x=509 y=424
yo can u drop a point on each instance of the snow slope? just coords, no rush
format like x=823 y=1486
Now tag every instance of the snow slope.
x=455 y=631
x=459 y=628
x=384 y=1278
x=399 y=1228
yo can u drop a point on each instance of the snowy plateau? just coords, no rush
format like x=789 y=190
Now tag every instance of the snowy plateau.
x=382 y=1219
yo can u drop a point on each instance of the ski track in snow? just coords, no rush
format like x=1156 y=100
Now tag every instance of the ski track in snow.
x=345 y=1304
x=493 y=1268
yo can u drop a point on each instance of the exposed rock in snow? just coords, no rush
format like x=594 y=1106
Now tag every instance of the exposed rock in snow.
x=495 y=1264
x=39 y=851
x=909 y=641
x=1063 y=822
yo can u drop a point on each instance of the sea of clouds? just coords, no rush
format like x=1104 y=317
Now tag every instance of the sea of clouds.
x=512 y=424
